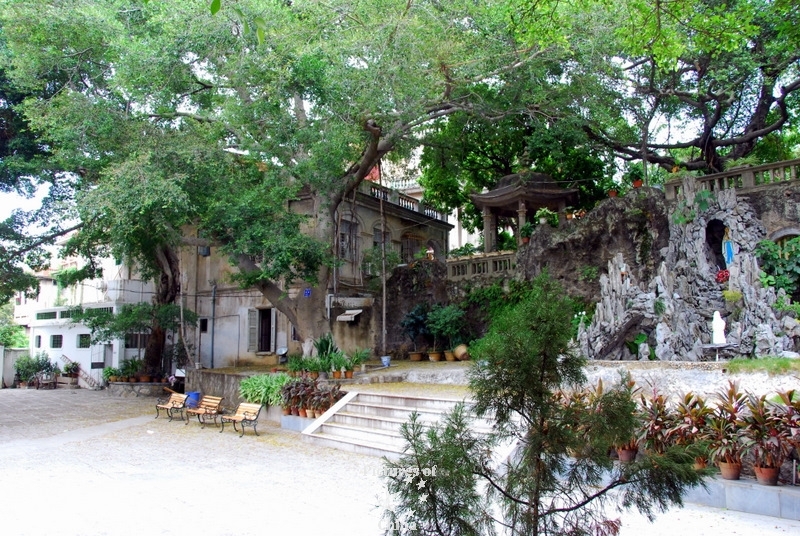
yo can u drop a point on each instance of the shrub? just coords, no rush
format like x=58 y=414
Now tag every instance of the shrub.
x=263 y=389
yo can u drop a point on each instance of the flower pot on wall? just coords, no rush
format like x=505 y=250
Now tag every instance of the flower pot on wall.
x=435 y=356
x=767 y=476
x=449 y=356
x=415 y=356
x=612 y=193
x=638 y=183
x=730 y=471
x=627 y=455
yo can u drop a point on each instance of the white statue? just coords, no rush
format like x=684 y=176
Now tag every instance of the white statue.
x=717 y=329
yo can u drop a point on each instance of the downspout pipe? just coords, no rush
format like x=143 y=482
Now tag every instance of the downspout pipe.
x=213 y=317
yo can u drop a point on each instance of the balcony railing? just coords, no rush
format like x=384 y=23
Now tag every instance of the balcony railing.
x=741 y=178
x=497 y=264
x=400 y=199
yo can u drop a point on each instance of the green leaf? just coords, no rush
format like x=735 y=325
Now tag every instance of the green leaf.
x=215 y=6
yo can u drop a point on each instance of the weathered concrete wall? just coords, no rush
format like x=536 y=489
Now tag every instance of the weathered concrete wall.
x=213 y=383
x=778 y=208
x=423 y=281
x=9 y=357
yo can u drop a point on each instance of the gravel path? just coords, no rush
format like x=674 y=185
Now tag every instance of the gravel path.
x=84 y=463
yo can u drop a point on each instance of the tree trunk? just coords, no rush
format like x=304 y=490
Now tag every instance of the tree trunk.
x=167 y=290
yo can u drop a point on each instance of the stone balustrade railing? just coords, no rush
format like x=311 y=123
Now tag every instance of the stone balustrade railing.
x=400 y=199
x=741 y=178
x=496 y=264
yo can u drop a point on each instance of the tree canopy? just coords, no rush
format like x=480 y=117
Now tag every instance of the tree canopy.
x=150 y=119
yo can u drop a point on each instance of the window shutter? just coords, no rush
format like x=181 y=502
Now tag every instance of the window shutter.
x=252 y=330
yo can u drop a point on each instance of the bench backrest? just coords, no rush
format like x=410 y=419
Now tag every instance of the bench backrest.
x=249 y=408
x=210 y=403
x=177 y=399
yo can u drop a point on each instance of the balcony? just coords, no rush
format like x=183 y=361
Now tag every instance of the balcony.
x=400 y=199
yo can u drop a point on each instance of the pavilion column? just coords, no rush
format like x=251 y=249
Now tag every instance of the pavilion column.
x=522 y=217
x=489 y=230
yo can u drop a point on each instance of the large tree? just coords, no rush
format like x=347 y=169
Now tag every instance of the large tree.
x=171 y=116
x=698 y=82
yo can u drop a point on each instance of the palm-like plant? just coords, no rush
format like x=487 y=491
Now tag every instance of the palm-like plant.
x=767 y=436
x=691 y=425
x=726 y=441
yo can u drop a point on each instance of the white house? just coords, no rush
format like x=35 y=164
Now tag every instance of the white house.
x=50 y=329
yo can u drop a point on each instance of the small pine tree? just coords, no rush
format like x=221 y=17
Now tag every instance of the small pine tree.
x=559 y=478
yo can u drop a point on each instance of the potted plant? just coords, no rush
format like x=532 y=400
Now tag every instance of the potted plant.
x=111 y=374
x=767 y=438
x=726 y=442
x=545 y=215
x=623 y=435
x=356 y=359
x=656 y=423
x=446 y=322
x=71 y=369
x=338 y=363
x=691 y=427
x=414 y=325
x=295 y=366
x=525 y=232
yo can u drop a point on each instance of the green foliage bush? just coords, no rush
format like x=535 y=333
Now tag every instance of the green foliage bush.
x=264 y=388
x=27 y=367
x=782 y=264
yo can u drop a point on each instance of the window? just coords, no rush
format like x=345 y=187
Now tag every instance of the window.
x=38 y=341
x=376 y=236
x=348 y=241
x=65 y=314
x=56 y=341
x=48 y=315
x=410 y=247
x=136 y=340
x=84 y=340
x=204 y=325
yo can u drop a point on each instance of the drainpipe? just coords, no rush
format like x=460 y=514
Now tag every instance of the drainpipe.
x=213 y=316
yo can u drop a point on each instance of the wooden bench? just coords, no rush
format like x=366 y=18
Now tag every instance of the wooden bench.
x=176 y=401
x=246 y=415
x=209 y=406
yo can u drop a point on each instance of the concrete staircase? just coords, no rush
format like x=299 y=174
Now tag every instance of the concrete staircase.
x=369 y=423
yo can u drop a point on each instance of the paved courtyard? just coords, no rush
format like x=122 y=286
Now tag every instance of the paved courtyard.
x=80 y=462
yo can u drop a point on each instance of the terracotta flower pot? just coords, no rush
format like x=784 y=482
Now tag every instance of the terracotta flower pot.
x=638 y=183
x=730 y=471
x=461 y=352
x=348 y=374
x=435 y=356
x=612 y=193
x=302 y=412
x=449 y=356
x=415 y=356
x=767 y=476
x=337 y=374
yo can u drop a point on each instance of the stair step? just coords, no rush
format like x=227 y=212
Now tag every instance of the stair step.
x=408 y=401
x=370 y=423
x=372 y=435
x=355 y=445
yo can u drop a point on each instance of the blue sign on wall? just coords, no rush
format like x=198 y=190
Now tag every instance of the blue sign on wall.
x=307 y=293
